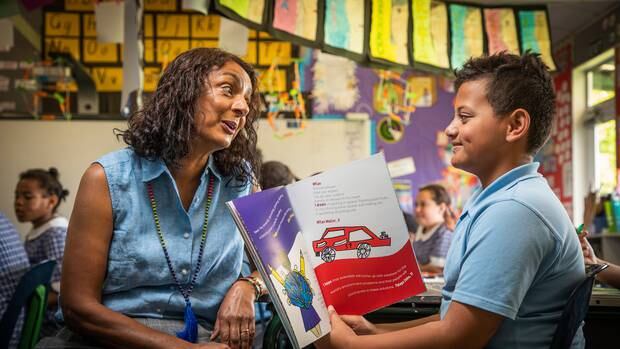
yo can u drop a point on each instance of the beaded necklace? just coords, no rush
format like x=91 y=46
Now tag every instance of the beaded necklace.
x=190 y=332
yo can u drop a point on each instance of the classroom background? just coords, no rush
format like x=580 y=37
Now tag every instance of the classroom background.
x=72 y=70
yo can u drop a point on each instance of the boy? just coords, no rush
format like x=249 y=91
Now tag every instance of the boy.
x=515 y=257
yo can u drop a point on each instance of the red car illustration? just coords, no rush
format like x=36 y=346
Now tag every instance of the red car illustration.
x=358 y=238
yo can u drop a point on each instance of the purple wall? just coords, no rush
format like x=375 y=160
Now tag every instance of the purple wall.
x=419 y=140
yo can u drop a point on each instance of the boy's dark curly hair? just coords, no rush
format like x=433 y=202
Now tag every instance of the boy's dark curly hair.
x=165 y=126
x=48 y=180
x=516 y=82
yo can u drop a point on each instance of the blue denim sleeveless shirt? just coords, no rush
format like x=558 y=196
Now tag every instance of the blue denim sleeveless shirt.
x=138 y=282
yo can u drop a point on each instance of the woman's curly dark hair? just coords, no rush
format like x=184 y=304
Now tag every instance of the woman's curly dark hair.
x=165 y=126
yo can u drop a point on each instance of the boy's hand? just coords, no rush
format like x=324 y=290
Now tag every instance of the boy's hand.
x=341 y=335
x=588 y=253
x=359 y=324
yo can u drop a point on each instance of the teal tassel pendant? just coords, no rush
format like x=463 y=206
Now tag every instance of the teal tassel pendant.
x=190 y=332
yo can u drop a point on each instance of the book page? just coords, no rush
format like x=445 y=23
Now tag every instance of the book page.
x=273 y=237
x=356 y=235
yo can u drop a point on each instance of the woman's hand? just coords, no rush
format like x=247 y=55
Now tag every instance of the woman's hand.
x=235 y=324
x=359 y=324
x=588 y=253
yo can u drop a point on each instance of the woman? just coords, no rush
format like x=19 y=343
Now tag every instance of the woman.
x=150 y=242
x=432 y=238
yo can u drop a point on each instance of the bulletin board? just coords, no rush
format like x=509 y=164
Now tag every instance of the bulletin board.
x=466 y=34
x=430 y=41
x=346 y=28
x=388 y=40
x=535 y=34
x=299 y=21
x=69 y=26
x=501 y=30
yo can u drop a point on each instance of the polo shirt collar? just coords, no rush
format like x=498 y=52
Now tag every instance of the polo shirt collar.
x=153 y=168
x=505 y=181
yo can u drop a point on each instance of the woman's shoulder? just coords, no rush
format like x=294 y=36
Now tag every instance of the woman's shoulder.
x=117 y=157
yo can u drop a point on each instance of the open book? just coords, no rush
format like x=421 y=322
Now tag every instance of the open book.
x=336 y=238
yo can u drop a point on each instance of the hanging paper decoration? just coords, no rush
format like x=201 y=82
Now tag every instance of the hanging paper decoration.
x=388 y=36
x=345 y=27
x=534 y=34
x=501 y=30
x=430 y=41
x=394 y=96
x=248 y=12
x=296 y=20
x=467 y=34
x=334 y=83
x=279 y=102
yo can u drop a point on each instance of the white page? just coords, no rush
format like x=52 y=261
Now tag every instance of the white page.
x=363 y=192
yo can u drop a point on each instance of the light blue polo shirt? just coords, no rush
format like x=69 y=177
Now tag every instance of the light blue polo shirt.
x=515 y=253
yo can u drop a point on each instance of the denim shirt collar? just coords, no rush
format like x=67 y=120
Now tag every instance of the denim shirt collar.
x=152 y=169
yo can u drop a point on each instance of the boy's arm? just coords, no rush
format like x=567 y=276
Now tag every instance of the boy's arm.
x=464 y=326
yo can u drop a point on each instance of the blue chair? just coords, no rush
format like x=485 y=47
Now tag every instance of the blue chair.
x=31 y=294
x=576 y=309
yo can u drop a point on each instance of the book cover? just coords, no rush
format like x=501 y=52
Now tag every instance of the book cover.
x=336 y=238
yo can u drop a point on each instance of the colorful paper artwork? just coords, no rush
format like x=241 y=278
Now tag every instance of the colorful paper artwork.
x=344 y=25
x=467 y=34
x=394 y=96
x=501 y=29
x=251 y=10
x=388 y=39
x=423 y=90
x=335 y=83
x=535 y=34
x=297 y=17
x=430 y=41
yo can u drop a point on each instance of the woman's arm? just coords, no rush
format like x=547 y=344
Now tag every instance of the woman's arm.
x=84 y=269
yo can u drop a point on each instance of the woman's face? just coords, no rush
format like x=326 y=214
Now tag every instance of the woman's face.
x=32 y=203
x=224 y=106
x=427 y=212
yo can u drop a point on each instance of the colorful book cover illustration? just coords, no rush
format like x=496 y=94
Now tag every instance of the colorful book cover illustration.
x=337 y=238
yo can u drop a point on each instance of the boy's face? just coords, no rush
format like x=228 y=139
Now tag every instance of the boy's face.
x=476 y=133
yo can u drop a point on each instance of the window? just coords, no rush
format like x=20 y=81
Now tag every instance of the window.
x=605 y=155
x=333 y=234
x=600 y=83
x=358 y=235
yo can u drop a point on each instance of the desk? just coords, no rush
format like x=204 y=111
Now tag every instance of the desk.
x=600 y=330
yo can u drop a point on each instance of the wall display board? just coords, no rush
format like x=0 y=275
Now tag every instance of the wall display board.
x=500 y=26
x=466 y=34
x=249 y=12
x=535 y=34
x=430 y=40
x=168 y=30
x=298 y=21
x=345 y=28
x=388 y=34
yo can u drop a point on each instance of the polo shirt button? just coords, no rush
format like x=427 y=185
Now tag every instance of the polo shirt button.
x=184 y=271
x=186 y=235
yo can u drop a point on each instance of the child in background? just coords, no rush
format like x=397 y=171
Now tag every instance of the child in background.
x=432 y=238
x=37 y=197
